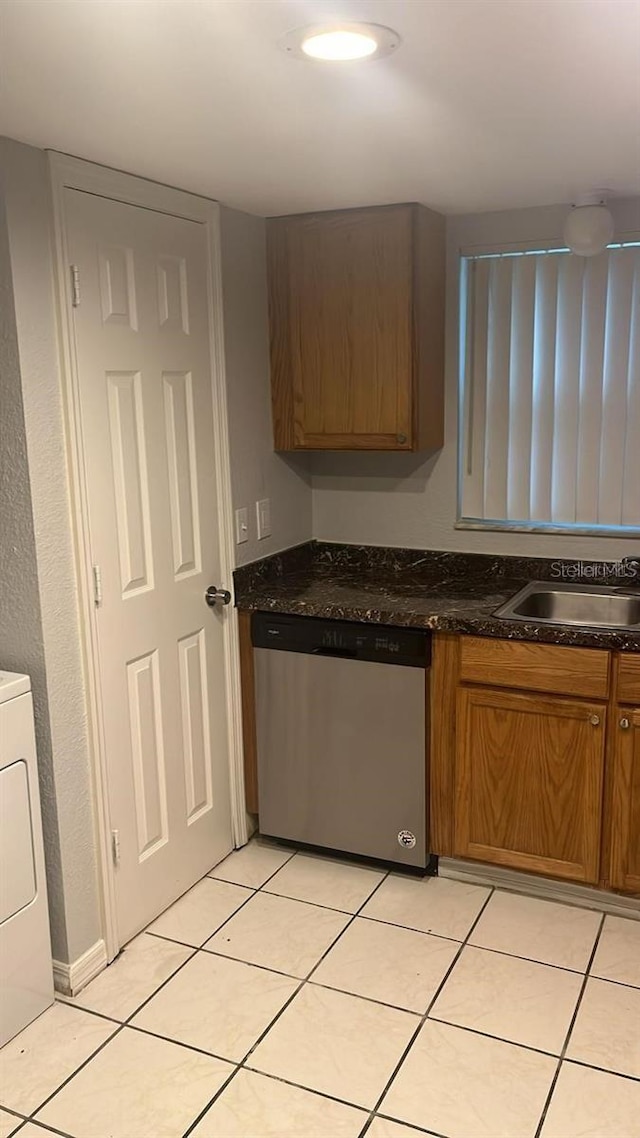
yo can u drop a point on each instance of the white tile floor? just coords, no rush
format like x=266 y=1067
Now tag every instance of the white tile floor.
x=294 y=996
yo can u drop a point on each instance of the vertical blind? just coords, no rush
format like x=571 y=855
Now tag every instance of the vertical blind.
x=551 y=388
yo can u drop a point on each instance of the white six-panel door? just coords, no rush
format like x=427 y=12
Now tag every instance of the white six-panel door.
x=141 y=326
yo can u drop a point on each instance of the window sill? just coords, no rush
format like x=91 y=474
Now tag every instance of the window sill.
x=547 y=527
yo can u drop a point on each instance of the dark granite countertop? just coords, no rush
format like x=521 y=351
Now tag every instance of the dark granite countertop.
x=450 y=592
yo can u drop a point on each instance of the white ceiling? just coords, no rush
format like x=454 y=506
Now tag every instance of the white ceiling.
x=488 y=104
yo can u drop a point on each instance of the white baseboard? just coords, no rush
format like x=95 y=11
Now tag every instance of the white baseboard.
x=69 y=979
x=517 y=881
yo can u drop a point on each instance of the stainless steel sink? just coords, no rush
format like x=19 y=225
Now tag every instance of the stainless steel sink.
x=590 y=606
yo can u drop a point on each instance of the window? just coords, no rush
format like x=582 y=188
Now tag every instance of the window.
x=550 y=390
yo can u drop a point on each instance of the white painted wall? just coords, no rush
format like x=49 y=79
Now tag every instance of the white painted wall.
x=44 y=638
x=256 y=470
x=409 y=500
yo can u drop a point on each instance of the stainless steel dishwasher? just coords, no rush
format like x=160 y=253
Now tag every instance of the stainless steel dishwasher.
x=341 y=710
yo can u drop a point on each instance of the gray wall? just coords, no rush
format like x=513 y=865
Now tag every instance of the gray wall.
x=410 y=500
x=256 y=470
x=43 y=638
x=21 y=639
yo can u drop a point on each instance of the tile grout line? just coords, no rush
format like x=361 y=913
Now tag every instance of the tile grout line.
x=242 y=1064
x=399 y=1122
x=256 y=887
x=574 y=1017
x=423 y=1018
x=88 y=1011
x=603 y=1070
x=126 y=1022
x=308 y=979
x=121 y=1024
x=12 y=1110
x=47 y=1128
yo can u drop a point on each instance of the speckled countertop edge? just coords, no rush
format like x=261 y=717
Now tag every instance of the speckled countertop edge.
x=442 y=591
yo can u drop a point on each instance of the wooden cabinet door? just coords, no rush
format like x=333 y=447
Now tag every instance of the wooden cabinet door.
x=625 y=812
x=529 y=777
x=341 y=294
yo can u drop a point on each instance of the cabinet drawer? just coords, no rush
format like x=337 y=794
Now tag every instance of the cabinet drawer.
x=535 y=667
x=629 y=679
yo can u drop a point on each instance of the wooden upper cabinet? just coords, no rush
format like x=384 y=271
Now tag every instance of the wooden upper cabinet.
x=529 y=779
x=356 y=311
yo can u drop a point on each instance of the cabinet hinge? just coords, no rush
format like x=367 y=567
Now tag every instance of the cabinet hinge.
x=97 y=586
x=75 y=285
x=115 y=847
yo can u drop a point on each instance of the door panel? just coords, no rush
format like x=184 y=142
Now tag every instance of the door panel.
x=146 y=410
x=625 y=814
x=529 y=775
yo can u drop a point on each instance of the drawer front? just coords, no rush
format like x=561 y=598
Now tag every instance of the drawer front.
x=629 y=679
x=535 y=667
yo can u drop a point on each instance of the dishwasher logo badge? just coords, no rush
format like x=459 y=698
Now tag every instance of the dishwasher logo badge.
x=406 y=839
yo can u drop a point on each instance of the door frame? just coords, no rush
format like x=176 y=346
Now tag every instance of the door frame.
x=65 y=173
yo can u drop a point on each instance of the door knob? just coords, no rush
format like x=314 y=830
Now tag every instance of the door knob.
x=214 y=594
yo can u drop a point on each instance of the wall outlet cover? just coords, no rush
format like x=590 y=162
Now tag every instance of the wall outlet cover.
x=263 y=516
x=242 y=525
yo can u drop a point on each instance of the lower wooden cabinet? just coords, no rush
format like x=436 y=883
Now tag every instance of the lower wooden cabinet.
x=625 y=807
x=529 y=781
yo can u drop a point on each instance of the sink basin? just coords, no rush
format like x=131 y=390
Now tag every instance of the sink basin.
x=590 y=606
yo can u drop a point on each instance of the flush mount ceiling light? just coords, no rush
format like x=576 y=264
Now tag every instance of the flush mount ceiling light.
x=589 y=227
x=341 y=43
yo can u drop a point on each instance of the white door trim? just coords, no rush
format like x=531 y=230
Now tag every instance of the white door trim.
x=73 y=173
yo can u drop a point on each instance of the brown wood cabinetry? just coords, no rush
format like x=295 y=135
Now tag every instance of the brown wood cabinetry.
x=625 y=804
x=628 y=690
x=535 y=758
x=535 y=667
x=529 y=776
x=356 y=311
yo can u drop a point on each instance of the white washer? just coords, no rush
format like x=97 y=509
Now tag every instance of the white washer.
x=26 y=975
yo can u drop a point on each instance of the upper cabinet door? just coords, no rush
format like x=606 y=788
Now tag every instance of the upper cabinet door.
x=357 y=328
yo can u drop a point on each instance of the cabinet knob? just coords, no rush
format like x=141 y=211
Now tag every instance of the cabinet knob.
x=401 y=438
x=594 y=720
x=625 y=724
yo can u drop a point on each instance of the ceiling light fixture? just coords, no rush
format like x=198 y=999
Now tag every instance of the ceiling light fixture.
x=341 y=43
x=589 y=226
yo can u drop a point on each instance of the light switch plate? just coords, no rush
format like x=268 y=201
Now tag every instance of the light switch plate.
x=263 y=517
x=242 y=525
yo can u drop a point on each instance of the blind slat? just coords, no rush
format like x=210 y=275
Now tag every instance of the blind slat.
x=521 y=388
x=475 y=432
x=566 y=390
x=614 y=388
x=631 y=484
x=545 y=312
x=497 y=416
x=594 y=306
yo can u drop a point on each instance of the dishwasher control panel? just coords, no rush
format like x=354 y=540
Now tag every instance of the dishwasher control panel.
x=410 y=647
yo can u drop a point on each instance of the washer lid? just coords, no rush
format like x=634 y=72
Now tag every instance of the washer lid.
x=13 y=684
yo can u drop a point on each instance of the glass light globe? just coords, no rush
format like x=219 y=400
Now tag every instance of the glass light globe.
x=339 y=45
x=588 y=230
